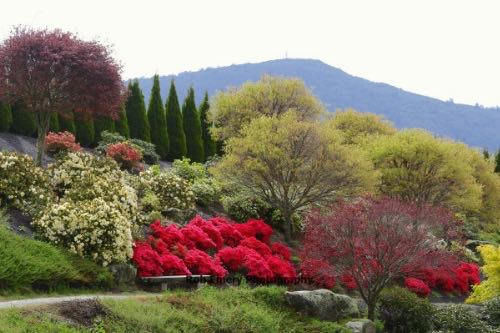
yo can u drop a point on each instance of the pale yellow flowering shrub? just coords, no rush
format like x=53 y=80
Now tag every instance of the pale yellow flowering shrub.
x=22 y=184
x=92 y=228
x=172 y=191
x=96 y=210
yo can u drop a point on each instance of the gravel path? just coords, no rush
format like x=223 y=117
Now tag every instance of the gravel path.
x=55 y=300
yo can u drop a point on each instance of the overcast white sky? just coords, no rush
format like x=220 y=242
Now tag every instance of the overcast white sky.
x=445 y=49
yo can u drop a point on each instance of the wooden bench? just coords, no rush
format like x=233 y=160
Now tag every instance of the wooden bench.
x=182 y=281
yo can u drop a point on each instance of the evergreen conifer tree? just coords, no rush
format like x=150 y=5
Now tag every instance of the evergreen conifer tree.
x=208 y=142
x=102 y=124
x=23 y=122
x=136 y=113
x=54 y=123
x=157 y=120
x=5 y=117
x=192 y=128
x=85 y=132
x=175 y=129
x=67 y=123
x=497 y=162
x=121 y=124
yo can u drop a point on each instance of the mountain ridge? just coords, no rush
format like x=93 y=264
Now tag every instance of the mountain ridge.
x=474 y=125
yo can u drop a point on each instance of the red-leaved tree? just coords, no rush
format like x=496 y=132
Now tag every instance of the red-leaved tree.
x=54 y=71
x=370 y=243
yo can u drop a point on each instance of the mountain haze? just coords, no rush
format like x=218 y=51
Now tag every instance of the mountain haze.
x=474 y=125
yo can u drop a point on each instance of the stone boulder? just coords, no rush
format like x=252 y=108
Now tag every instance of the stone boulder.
x=361 y=326
x=323 y=303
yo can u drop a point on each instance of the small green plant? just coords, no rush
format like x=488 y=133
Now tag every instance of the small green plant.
x=459 y=319
x=491 y=312
x=402 y=311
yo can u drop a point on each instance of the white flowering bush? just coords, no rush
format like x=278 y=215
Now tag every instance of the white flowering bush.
x=172 y=191
x=96 y=208
x=92 y=228
x=22 y=184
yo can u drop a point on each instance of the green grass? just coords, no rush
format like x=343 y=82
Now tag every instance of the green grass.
x=232 y=310
x=27 y=264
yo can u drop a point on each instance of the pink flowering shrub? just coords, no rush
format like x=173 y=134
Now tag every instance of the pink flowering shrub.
x=60 y=142
x=214 y=247
x=127 y=156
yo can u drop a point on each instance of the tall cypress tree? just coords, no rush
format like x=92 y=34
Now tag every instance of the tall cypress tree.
x=85 y=132
x=175 y=129
x=192 y=128
x=121 y=123
x=67 y=123
x=54 y=122
x=102 y=124
x=23 y=122
x=136 y=113
x=5 y=117
x=497 y=162
x=157 y=120
x=208 y=142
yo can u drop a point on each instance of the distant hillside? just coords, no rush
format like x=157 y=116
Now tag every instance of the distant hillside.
x=474 y=125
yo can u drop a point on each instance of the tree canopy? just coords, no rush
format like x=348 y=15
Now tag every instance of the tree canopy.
x=175 y=127
x=54 y=71
x=192 y=129
x=271 y=96
x=157 y=120
x=208 y=142
x=138 y=124
x=293 y=164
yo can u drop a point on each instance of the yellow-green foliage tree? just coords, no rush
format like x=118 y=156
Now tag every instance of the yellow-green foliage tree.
x=360 y=127
x=293 y=164
x=490 y=287
x=416 y=166
x=270 y=96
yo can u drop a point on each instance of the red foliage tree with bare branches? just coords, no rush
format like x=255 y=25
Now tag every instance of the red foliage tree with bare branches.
x=370 y=243
x=54 y=71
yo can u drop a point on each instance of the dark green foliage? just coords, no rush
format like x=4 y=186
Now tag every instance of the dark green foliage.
x=459 y=319
x=175 y=129
x=136 y=113
x=158 y=121
x=29 y=264
x=403 y=312
x=491 y=312
x=102 y=124
x=121 y=124
x=85 y=132
x=5 y=117
x=54 y=123
x=486 y=153
x=67 y=123
x=192 y=129
x=497 y=162
x=208 y=142
x=147 y=149
x=23 y=122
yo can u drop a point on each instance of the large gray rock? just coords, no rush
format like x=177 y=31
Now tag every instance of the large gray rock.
x=361 y=326
x=323 y=303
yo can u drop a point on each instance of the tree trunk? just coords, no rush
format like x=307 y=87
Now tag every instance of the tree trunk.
x=288 y=226
x=43 y=124
x=371 y=310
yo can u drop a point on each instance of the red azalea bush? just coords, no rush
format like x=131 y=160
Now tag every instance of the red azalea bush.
x=127 y=156
x=237 y=248
x=417 y=286
x=56 y=142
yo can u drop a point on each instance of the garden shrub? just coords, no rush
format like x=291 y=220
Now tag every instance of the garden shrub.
x=60 y=142
x=490 y=287
x=22 y=184
x=92 y=229
x=190 y=171
x=128 y=157
x=241 y=207
x=96 y=208
x=27 y=264
x=172 y=191
x=491 y=312
x=147 y=149
x=459 y=319
x=215 y=247
x=402 y=311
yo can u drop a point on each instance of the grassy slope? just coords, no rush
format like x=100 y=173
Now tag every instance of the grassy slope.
x=209 y=309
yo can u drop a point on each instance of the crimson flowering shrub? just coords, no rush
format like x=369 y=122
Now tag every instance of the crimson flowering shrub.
x=417 y=286
x=127 y=156
x=60 y=142
x=171 y=250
